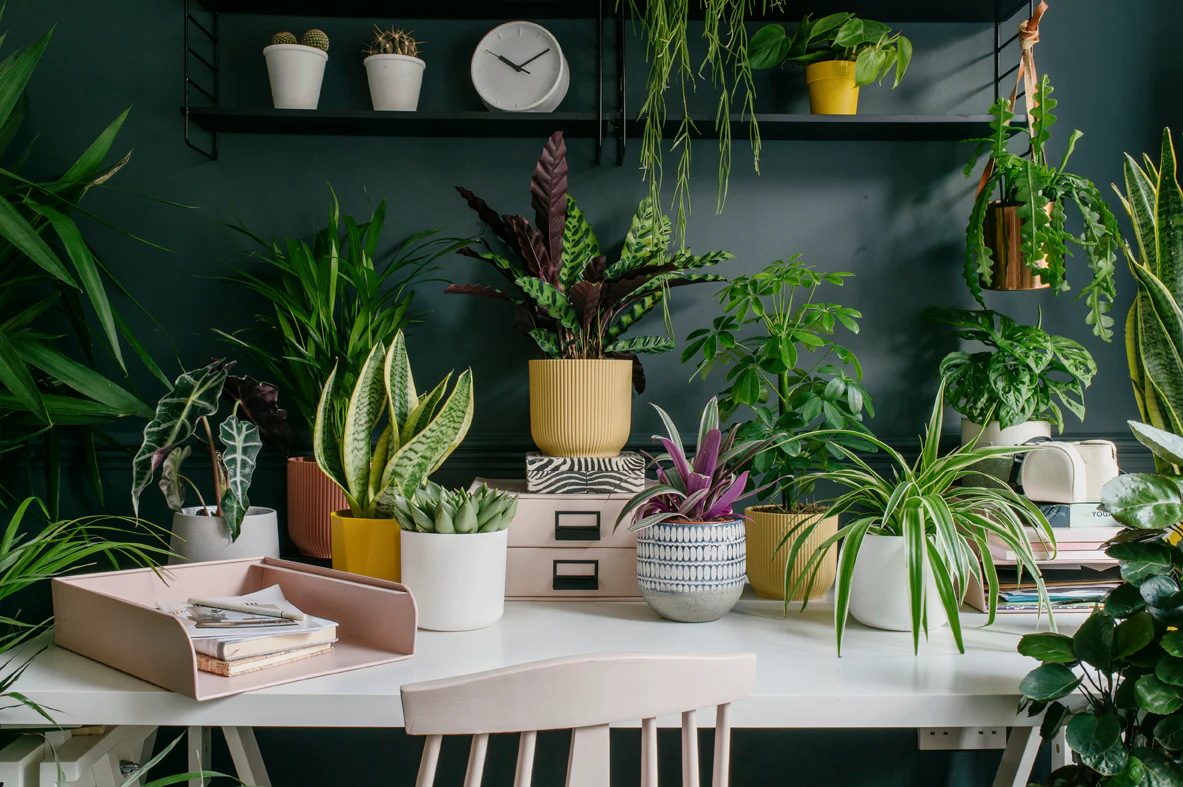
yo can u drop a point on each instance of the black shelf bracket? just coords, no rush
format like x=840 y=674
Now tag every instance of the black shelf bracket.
x=211 y=68
x=1003 y=15
x=621 y=133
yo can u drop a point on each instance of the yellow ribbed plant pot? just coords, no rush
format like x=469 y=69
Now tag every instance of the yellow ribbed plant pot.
x=369 y=547
x=831 y=88
x=581 y=407
x=765 y=528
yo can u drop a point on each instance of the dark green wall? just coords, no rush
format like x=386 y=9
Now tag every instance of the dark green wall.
x=892 y=213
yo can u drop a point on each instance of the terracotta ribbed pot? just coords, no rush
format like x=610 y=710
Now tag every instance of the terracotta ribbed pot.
x=766 y=566
x=311 y=498
x=581 y=408
x=1009 y=270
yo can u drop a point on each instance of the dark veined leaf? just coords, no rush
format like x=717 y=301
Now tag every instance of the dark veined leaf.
x=1049 y=682
x=1141 y=560
x=580 y=245
x=1049 y=647
x=1123 y=601
x=241 y=455
x=551 y=300
x=259 y=404
x=548 y=197
x=1157 y=697
x=641 y=344
x=1093 y=643
x=1169 y=732
x=1132 y=635
x=1093 y=734
x=1054 y=718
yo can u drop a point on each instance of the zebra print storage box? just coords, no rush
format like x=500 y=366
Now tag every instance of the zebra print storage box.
x=564 y=546
x=585 y=475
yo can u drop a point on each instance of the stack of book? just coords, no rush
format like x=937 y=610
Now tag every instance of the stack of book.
x=240 y=634
x=1081 y=530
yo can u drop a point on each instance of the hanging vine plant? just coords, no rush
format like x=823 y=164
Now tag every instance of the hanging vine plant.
x=664 y=24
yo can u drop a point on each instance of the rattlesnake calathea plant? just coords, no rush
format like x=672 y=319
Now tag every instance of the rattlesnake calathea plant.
x=255 y=416
x=566 y=295
x=1116 y=687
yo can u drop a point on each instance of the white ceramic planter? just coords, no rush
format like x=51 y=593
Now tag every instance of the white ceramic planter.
x=458 y=579
x=395 y=81
x=198 y=537
x=1012 y=435
x=296 y=72
x=879 y=595
x=692 y=572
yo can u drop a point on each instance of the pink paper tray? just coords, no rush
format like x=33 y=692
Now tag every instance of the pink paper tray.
x=112 y=617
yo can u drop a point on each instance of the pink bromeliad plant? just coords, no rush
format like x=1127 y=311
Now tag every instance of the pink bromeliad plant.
x=702 y=488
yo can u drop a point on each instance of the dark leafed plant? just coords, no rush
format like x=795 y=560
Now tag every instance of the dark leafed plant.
x=192 y=400
x=570 y=300
x=699 y=488
x=1126 y=660
x=1033 y=182
x=786 y=370
x=870 y=45
x=1026 y=375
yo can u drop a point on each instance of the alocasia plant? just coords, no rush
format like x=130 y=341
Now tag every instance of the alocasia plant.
x=566 y=295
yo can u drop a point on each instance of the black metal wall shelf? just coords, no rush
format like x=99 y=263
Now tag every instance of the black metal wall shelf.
x=867 y=128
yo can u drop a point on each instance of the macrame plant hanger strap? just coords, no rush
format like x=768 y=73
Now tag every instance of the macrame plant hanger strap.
x=1028 y=38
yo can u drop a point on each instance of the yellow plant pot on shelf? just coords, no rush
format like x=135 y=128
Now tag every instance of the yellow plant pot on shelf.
x=369 y=547
x=581 y=407
x=831 y=88
x=765 y=528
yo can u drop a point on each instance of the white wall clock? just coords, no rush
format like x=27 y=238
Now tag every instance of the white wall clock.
x=519 y=67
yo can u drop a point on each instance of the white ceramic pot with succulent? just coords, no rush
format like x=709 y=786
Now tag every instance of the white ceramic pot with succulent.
x=296 y=68
x=394 y=71
x=691 y=551
x=453 y=554
x=231 y=527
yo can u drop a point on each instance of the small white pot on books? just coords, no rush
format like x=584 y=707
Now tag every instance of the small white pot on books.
x=199 y=536
x=457 y=579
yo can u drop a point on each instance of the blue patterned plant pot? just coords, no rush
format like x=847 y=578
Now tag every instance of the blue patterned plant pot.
x=692 y=572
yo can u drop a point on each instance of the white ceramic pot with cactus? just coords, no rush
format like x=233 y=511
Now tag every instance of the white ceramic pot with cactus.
x=453 y=554
x=296 y=68
x=394 y=71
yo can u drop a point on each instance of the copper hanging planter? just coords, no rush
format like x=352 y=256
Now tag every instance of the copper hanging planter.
x=1009 y=270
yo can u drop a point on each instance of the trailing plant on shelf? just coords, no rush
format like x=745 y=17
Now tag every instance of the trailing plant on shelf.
x=869 y=45
x=434 y=509
x=1038 y=189
x=418 y=432
x=1154 y=326
x=787 y=375
x=1125 y=659
x=944 y=527
x=330 y=302
x=566 y=295
x=1026 y=375
x=254 y=417
x=394 y=41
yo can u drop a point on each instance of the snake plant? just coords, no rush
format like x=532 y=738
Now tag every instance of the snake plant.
x=416 y=438
x=1154 y=327
x=433 y=509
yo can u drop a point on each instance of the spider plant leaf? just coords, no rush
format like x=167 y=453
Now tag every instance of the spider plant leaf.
x=948 y=594
x=845 y=575
x=913 y=531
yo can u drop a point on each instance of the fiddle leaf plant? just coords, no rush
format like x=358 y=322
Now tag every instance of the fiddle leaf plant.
x=1041 y=188
x=843 y=36
x=786 y=373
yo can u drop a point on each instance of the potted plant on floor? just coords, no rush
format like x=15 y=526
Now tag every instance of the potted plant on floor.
x=417 y=434
x=453 y=554
x=1017 y=236
x=296 y=68
x=577 y=306
x=913 y=538
x=231 y=527
x=394 y=70
x=1126 y=659
x=329 y=301
x=787 y=376
x=690 y=543
x=840 y=53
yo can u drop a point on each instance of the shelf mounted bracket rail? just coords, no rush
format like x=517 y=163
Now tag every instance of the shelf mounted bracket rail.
x=1007 y=15
x=209 y=64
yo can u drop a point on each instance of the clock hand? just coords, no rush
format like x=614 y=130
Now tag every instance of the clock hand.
x=540 y=54
x=508 y=62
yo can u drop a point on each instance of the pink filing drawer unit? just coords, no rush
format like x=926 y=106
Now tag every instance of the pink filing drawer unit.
x=565 y=546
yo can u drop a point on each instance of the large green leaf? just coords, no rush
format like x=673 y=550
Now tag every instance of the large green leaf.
x=1049 y=682
x=194 y=395
x=365 y=408
x=48 y=358
x=1088 y=733
x=1165 y=445
x=15 y=376
x=551 y=300
x=1143 y=500
x=241 y=455
x=1157 y=697
x=172 y=485
x=15 y=72
x=580 y=245
x=648 y=238
x=641 y=344
x=1048 y=647
x=1093 y=643
x=400 y=383
x=16 y=229
x=326 y=444
x=1168 y=211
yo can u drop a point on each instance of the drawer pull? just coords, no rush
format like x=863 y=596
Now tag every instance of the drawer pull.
x=577 y=526
x=576 y=575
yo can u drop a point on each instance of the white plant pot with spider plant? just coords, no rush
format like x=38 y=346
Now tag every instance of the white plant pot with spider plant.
x=879 y=595
x=395 y=82
x=199 y=536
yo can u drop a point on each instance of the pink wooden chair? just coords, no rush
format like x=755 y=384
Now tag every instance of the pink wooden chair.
x=584 y=694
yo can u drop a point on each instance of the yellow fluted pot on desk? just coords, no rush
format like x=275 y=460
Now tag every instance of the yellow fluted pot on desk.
x=766 y=566
x=370 y=547
x=581 y=407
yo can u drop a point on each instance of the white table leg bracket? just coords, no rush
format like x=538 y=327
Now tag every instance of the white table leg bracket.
x=1022 y=745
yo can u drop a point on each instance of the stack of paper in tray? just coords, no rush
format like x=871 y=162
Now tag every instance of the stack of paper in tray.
x=229 y=640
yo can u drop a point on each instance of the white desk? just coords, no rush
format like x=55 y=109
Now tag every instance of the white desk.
x=800 y=682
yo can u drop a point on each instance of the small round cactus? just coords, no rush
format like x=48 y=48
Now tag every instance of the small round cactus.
x=283 y=38
x=315 y=38
x=392 y=42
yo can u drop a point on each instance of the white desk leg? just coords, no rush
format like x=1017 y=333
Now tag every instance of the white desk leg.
x=248 y=762
x=1061 y=753
x=198 y=743
x=1021 y=747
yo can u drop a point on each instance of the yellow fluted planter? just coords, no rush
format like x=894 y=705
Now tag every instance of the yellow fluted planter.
x=581 y=408
x=766 y=566
x=831 y=87
x=369 y=547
